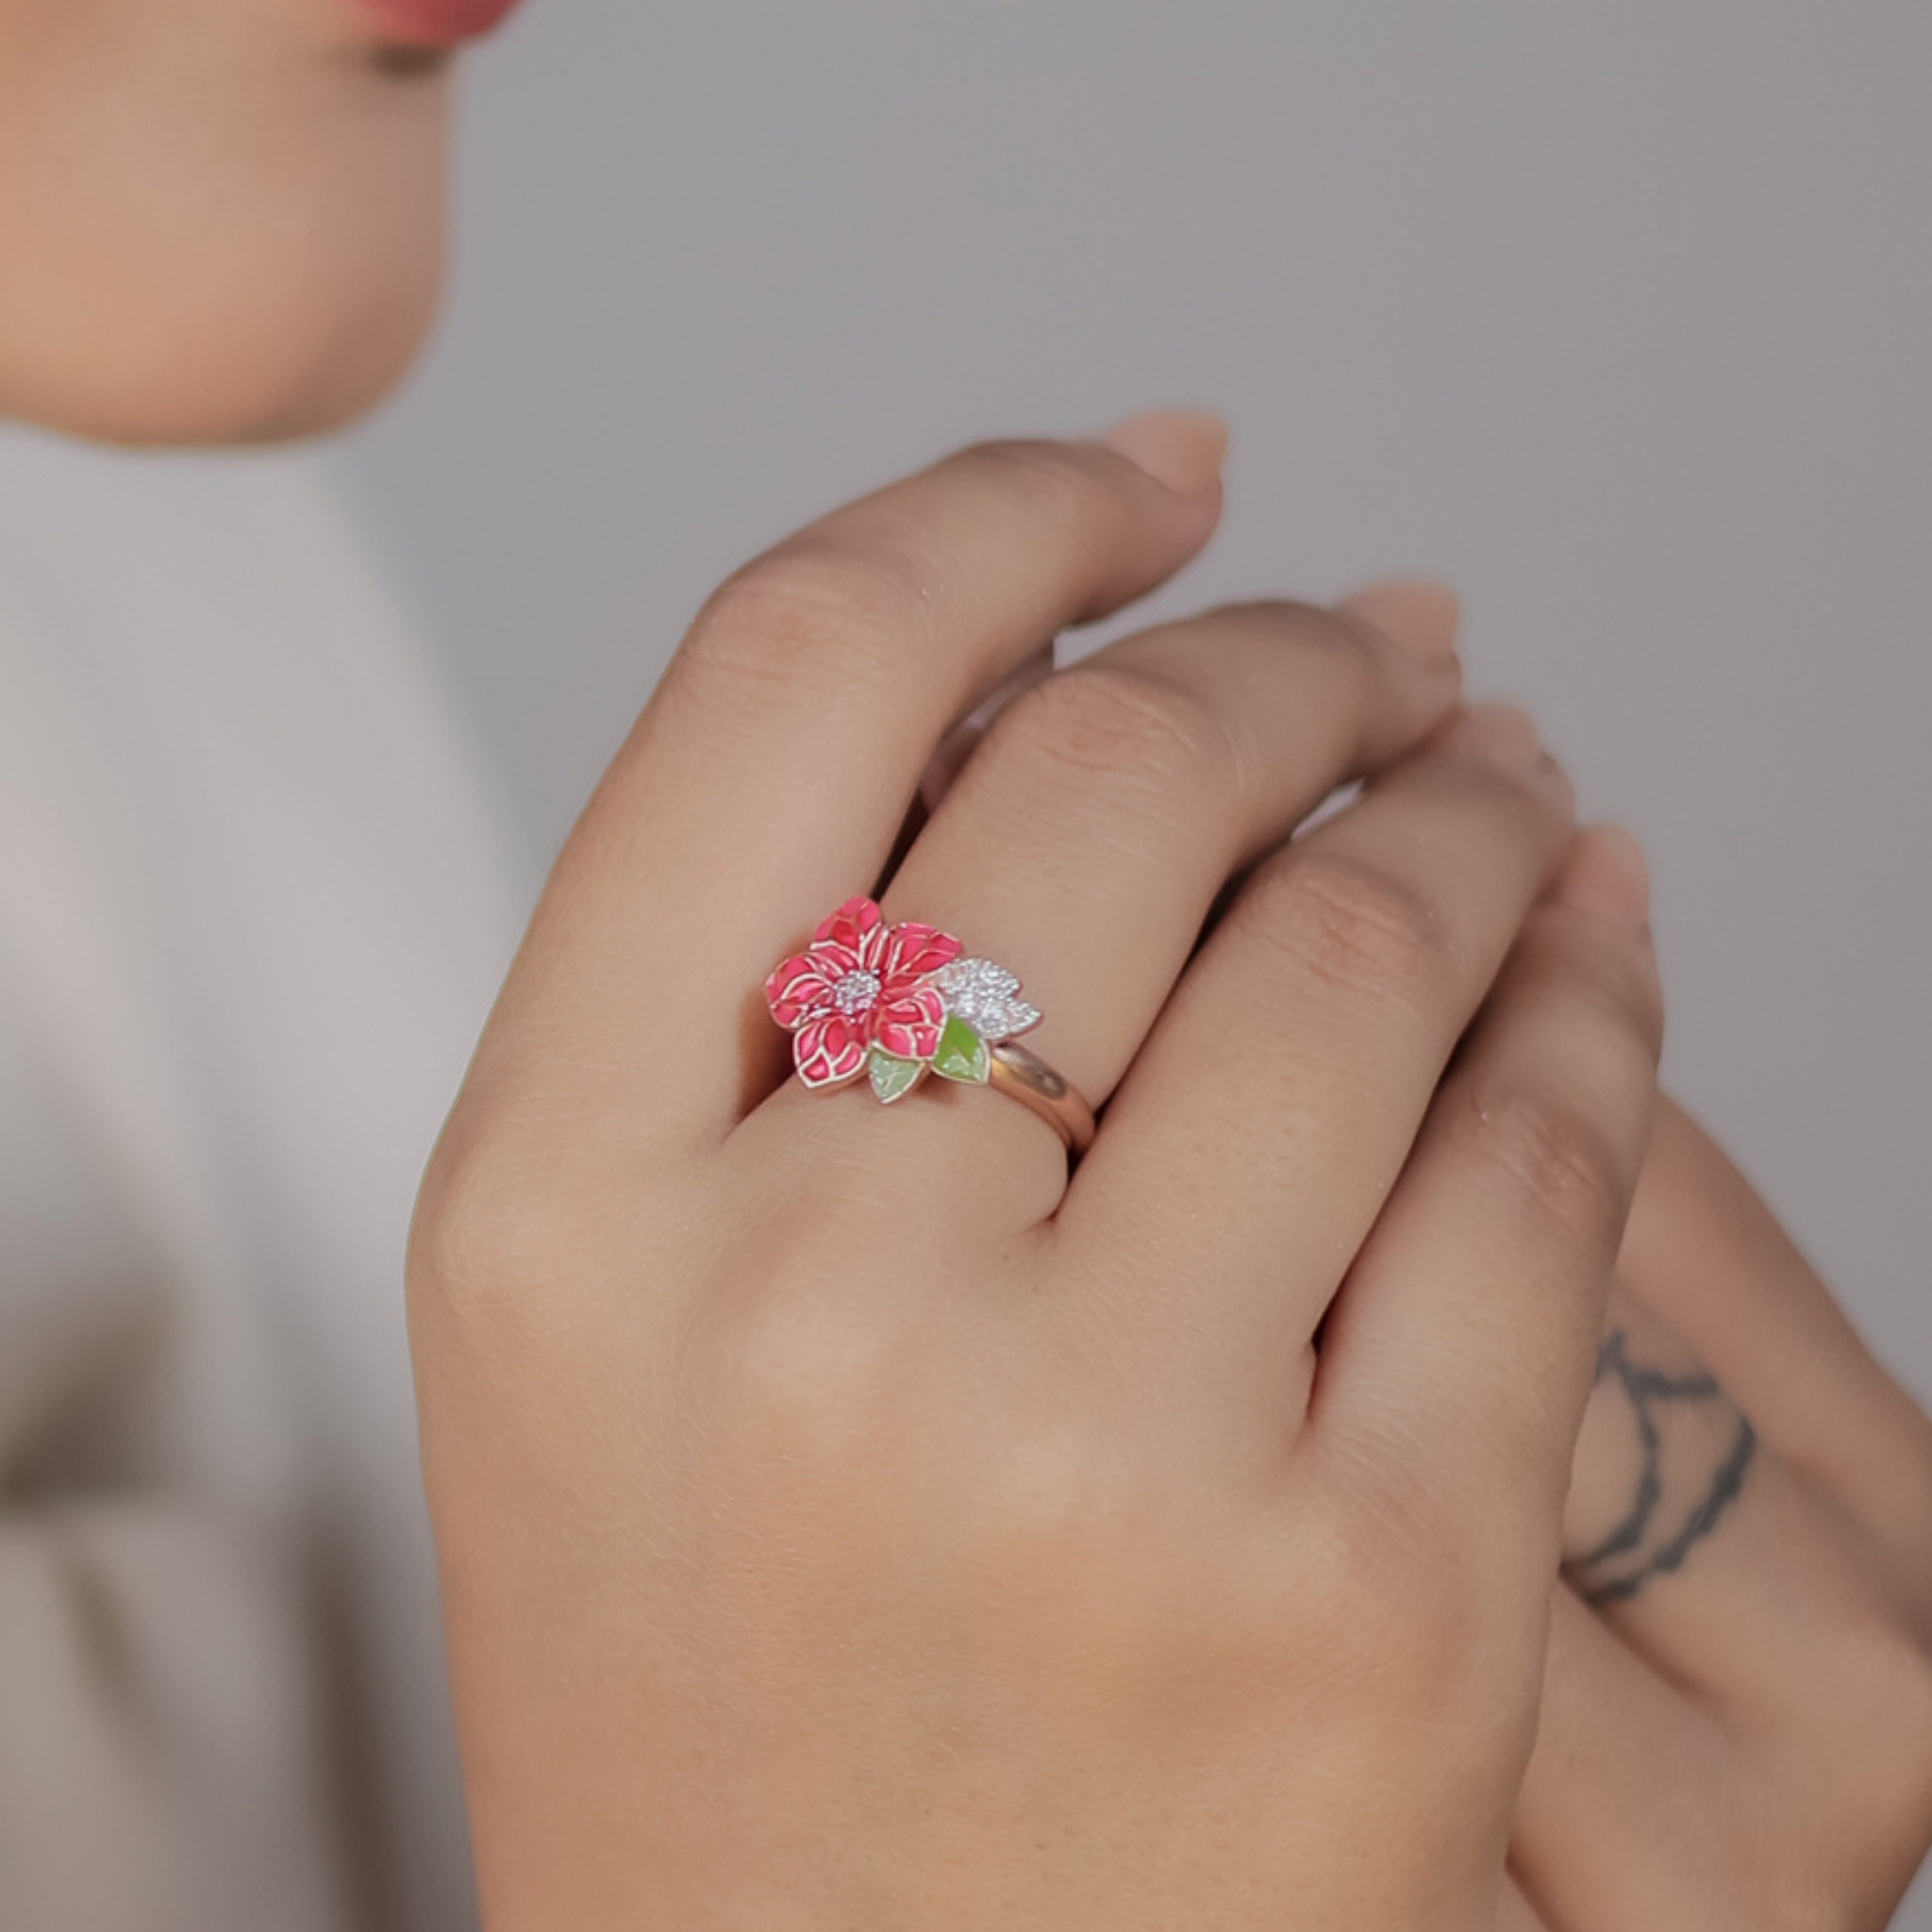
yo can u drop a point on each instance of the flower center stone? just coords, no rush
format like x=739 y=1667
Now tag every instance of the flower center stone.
x=856 y=991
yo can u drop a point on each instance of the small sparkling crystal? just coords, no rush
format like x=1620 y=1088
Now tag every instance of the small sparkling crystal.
x=856 y=992
x=981 y=994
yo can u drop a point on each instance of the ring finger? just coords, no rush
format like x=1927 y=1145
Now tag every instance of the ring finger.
x=1084 y=842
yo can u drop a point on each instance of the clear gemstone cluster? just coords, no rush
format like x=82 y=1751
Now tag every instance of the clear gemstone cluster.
x=856 y=991
x=983 y=994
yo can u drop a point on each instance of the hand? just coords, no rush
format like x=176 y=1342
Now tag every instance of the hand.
x=1655 y=1797
x=845 y=1518
x=1736 y=1732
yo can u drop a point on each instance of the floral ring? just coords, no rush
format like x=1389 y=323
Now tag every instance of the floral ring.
x=897 y=1002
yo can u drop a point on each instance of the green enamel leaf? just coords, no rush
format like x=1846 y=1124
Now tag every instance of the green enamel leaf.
x=892 y=1076
x=961 y=1054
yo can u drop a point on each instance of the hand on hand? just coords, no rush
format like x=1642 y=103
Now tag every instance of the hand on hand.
x=846 y=1517
x=1737 y=1721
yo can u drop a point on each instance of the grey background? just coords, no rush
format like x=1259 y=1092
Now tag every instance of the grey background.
x=1618 y=316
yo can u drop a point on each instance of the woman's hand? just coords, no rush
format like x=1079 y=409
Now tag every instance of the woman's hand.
x=845 y=1518
x=1736 y=1731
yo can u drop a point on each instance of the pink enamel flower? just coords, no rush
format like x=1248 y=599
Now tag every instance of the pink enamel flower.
x=860 y=983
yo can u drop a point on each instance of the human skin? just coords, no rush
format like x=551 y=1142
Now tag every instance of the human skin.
x=1737 y=1721
x=222 y=222
x=846 y=1518
x=1736 y=1726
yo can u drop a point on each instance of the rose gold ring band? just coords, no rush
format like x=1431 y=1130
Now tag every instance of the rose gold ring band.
x=1020 y=1073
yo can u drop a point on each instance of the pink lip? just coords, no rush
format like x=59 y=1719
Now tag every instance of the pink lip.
x=435 y=23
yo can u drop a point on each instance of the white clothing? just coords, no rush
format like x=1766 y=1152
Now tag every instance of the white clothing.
x=255 y=896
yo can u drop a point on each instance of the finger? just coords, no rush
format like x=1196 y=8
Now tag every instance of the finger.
x=962 y=738
x=1662 y=1455
x=1422 y=614
x=1702 y=1251
x=1252 y=1144
x=1711 y=1557
x=1087 y=839
x=949 y=759
x=1514 y=1912
x=1457 y=1358
x=1625 y=1794
x=766 y=777
x=1418 y=611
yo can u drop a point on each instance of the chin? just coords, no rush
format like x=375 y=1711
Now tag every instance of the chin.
x=225 y=263
x=246 y=359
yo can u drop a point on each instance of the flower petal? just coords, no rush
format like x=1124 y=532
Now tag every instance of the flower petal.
x=908 y=1023
x=797 y=988
x=913 y=949
x=848 y=925
x=828 y=1050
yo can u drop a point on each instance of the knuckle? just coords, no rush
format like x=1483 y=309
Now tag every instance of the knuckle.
x=449 y=1246
x=1614 y=1017
x=1537 y=803
x=1616 y=976
x=1351 y=923
x=1057 y=484
x=1125 y=726
x=1312 y=626
x=1335 y=664
x=510 y=1242
x=817 y=606
x=1545 y=1156
x=1626 y=981
x=482 y=1250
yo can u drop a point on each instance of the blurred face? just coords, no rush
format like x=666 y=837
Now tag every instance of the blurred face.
x=220 y=220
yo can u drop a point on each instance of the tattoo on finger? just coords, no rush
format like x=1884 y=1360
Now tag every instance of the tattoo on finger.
x=1693 y=1448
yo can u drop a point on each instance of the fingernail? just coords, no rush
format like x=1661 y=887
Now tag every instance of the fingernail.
x=1181 y=449
x=1499 y=734
x=1418 y=614
x=1604 y=874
